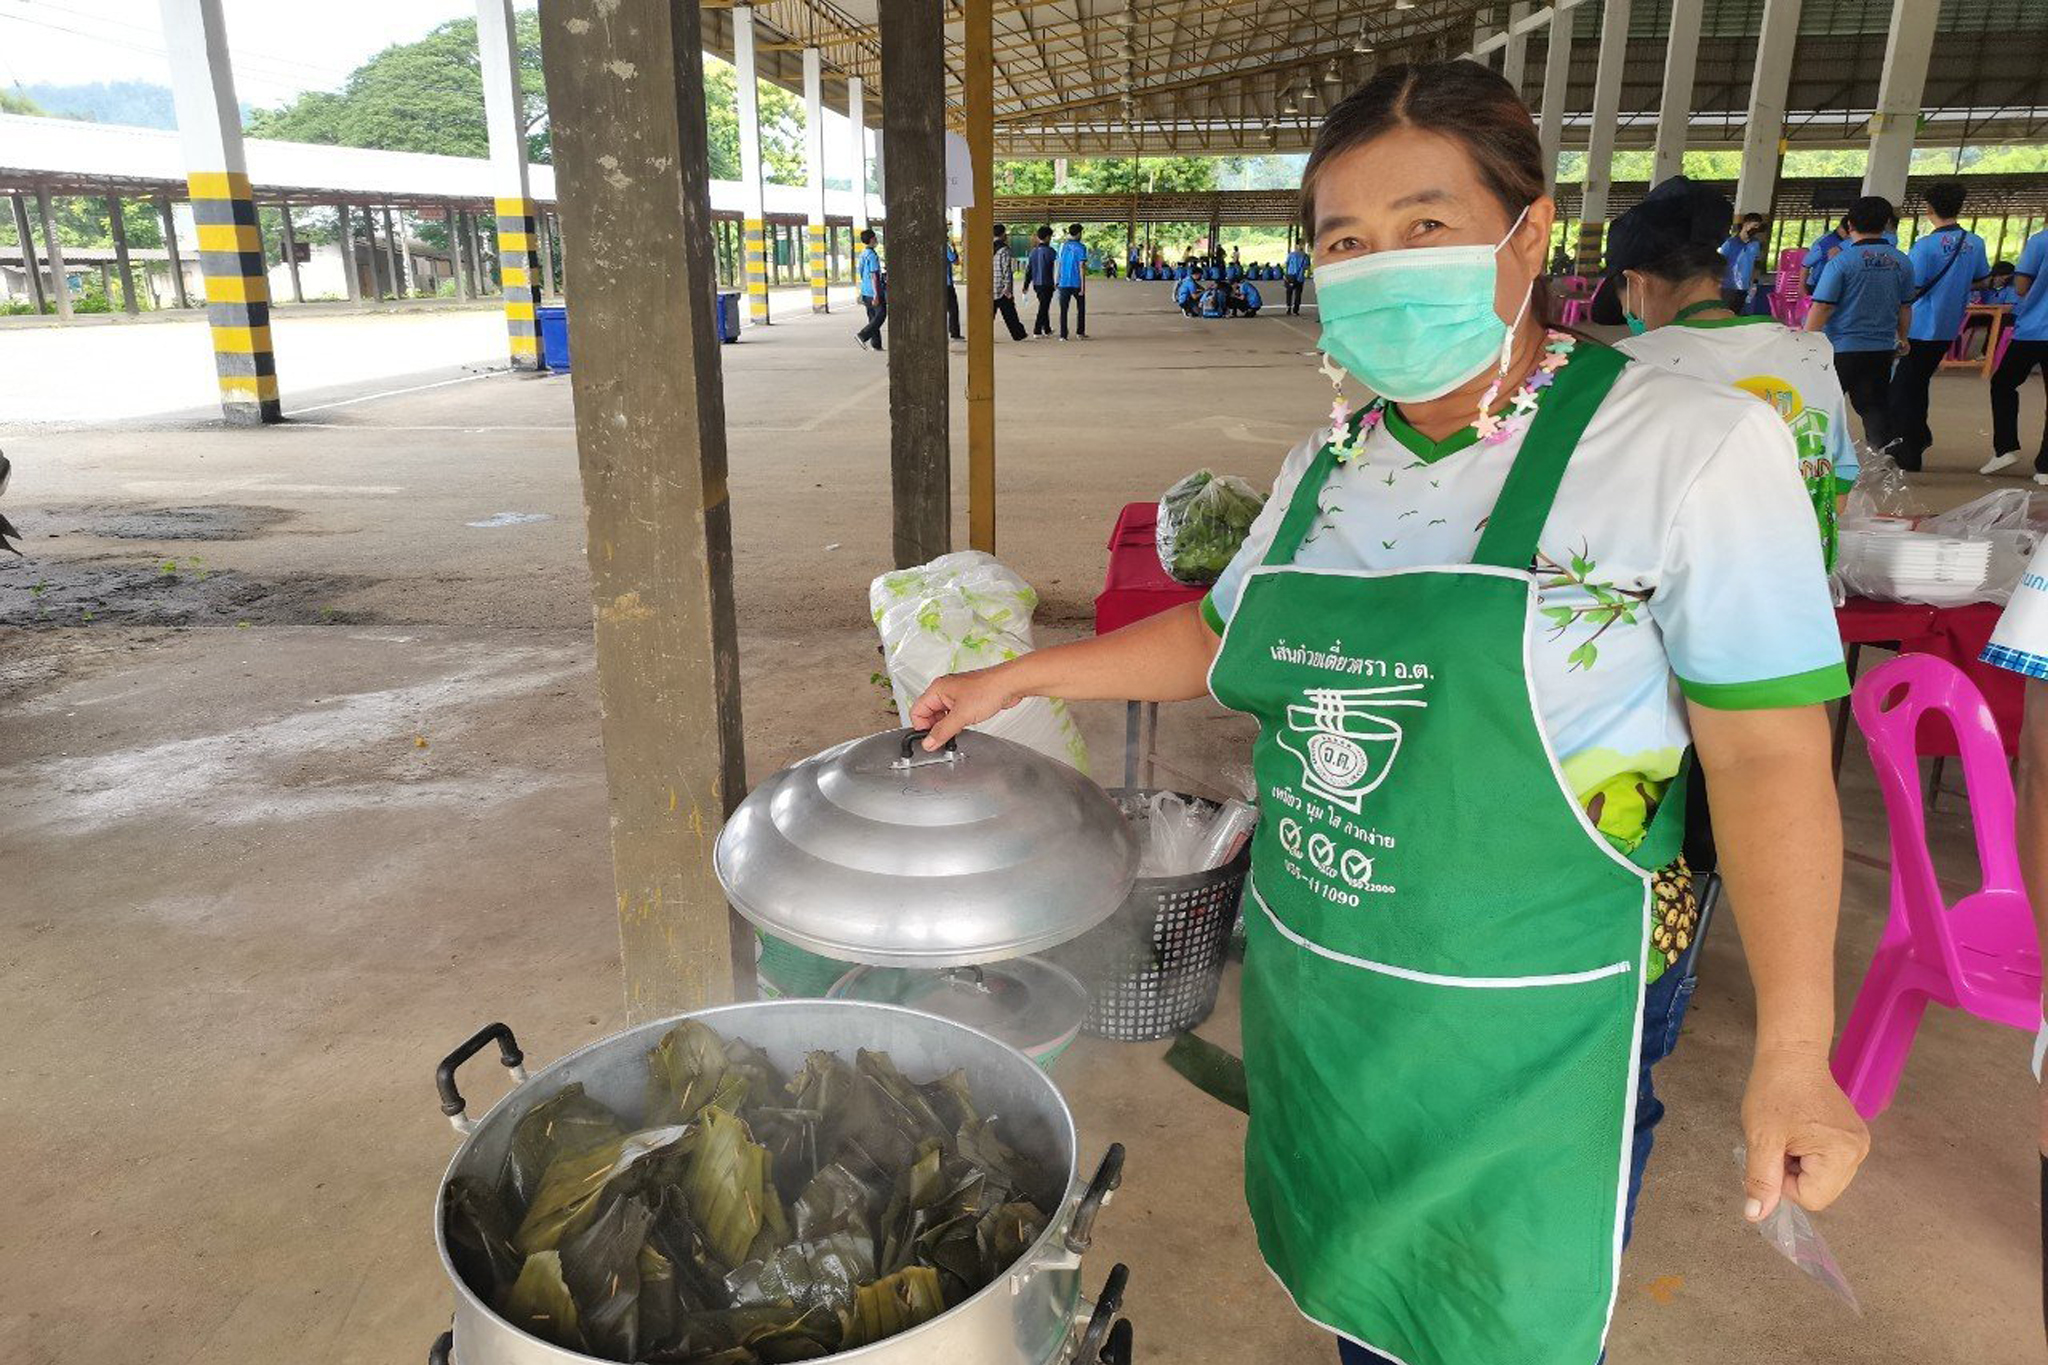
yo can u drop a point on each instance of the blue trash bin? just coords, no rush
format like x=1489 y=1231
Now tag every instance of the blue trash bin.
x=554 y=336
x=728 y=316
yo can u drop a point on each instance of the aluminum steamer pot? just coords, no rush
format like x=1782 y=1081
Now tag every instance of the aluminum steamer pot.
x=1032 y=1314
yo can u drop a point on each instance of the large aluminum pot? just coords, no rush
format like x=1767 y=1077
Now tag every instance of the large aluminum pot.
x=1032 y=1315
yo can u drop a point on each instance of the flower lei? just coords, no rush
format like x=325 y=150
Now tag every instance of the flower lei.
x=1493 y=428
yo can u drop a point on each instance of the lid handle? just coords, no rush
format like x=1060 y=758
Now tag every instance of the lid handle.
x=949 y=754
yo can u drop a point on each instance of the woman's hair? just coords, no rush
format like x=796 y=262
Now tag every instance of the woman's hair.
x=1463 y=101
x=1685 y=263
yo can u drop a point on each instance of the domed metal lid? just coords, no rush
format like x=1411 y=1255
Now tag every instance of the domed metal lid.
x=879 y=852
x=1029 y=1003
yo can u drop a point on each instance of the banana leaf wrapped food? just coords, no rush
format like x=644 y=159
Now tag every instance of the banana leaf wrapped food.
x=749 y=1218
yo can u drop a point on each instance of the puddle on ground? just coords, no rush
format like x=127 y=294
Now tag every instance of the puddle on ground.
x=164 y=593
x=126 y=521
x=497 y=519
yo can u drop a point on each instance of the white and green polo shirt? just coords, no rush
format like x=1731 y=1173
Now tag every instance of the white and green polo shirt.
x=1679 y=563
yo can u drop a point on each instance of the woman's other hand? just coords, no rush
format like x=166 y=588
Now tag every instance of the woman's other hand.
x=1805 y=1138
x=959 y=700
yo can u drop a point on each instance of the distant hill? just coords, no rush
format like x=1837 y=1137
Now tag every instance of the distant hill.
x=142 y=104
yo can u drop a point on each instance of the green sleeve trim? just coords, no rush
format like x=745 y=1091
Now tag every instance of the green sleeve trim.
x=1800 y=689
x=1210 y=614
x=1842 y=487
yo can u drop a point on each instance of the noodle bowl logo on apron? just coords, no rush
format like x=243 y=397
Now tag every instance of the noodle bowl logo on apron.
x=1347 y=738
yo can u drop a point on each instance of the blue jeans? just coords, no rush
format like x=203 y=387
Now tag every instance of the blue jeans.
x=1663 y=1011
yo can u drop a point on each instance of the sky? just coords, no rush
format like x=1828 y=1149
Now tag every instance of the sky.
x=280 y=47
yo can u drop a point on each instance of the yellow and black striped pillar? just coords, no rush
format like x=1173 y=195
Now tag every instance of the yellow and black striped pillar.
x=518 y=269
x=820 y=301
x=237 y=296
x=755 y=234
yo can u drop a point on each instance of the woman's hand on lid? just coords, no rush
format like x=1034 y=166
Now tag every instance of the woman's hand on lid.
x=1805 y=1138
x=959 y=700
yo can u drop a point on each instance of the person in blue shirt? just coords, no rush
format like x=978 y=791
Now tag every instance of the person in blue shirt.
x=1070 y=274
x=1296 y=271
x=1184 y=294
x=874 y=295
x=1948 y=262
x=1825 y=248
x=1864 y=304
x=952 y=299
x=1040 y=268
x=1998 y=290
x=1740 y=251
x=2028 y=348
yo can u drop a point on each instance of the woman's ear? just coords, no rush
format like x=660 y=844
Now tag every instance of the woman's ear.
x=1532 y=241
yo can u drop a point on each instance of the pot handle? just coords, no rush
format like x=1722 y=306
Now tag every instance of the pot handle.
x=442 y=1350
x=1109 y=1175
x=452 y=1103
x=1118 y=1351
x=915 y=757
x=1108 y=1304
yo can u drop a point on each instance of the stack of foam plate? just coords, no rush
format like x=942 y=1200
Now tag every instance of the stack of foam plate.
x=1916 y=566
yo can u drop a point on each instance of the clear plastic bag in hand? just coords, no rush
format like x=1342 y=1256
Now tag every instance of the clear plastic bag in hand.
x=1790 y=1231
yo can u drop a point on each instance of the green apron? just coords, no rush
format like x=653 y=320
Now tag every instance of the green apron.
x=1444 y=976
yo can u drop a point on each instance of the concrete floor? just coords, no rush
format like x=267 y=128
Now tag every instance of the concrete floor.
x=261 y=876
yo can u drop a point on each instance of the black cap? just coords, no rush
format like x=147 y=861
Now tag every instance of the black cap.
x=1674 y=214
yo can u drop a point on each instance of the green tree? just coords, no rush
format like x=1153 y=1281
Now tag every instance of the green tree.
x=782 y=126
x=422 y=96
x=12 y=102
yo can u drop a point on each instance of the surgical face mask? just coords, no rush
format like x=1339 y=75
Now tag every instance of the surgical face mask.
x=1412 y=325
x=1636 y=325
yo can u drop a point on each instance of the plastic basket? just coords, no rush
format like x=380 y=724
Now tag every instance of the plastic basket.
x=789 y=972
x=1153 y=968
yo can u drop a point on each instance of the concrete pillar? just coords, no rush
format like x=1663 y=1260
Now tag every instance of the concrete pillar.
x=978 y=95
x=1614 y=17
x=1764 y=132
x=31 y=268
x=107 y=283
x=394 y=264
x=914 y=197
x=291 y=253
x=632 y=163
x=380 y=264
x=345 y=243
x=547 y=254
x=1899 y=91
x=505 y=117
x=1059 y=175
x=223 y=210
x=53 y=252
x=814 y=165
x=1557 y=75
x=453 y=217
x=177 y=257
x=1674 y=111
x=857 y=113
x=1514 y=60
x=753 y=198
x=118 y=228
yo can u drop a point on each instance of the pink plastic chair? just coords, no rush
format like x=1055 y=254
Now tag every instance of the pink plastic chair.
x=1978 y=955
x=1575 y=310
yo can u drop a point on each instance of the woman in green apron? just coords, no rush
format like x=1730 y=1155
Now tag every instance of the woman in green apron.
x=1485 y=624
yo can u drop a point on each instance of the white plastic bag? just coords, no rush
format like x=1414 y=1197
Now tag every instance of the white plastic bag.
x=960 y=612
x=1972 y=553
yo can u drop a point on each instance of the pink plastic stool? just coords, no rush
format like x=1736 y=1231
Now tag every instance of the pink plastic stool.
x=1574 y=311
x=1978 y=955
